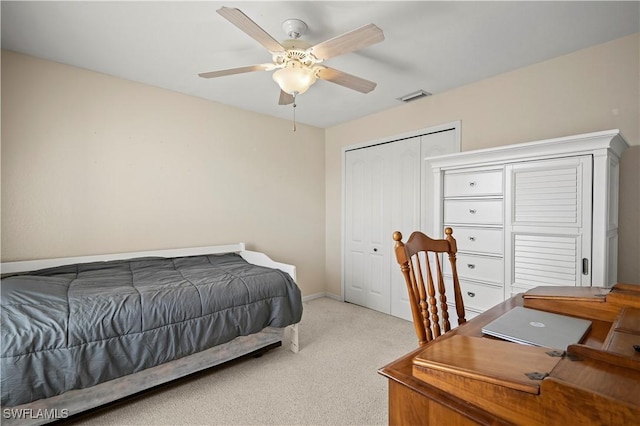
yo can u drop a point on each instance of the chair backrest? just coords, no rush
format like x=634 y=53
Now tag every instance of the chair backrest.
x=419 y=260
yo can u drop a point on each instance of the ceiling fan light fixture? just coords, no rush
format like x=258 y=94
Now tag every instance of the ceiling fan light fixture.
x=294 y=78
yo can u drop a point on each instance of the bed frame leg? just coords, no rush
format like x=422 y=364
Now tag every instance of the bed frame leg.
x=294 y=339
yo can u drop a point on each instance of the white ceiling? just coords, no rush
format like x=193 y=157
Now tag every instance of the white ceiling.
x=434 y=46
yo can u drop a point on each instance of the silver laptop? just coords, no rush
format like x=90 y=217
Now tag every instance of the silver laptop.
x=538 y=328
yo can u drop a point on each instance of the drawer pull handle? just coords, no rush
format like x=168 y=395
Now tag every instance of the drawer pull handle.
x=472 y=238
x=471 y=266
x=471 y=294
x=472 y=184
x=472 y=211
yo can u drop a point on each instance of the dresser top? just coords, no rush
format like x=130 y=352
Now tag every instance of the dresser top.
x=609 y=142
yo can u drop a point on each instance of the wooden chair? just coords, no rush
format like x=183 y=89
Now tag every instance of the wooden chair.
x=417 y=257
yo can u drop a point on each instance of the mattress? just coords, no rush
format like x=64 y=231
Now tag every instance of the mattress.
x=75 y=326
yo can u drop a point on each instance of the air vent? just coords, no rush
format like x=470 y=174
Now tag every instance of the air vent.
x=413 y=96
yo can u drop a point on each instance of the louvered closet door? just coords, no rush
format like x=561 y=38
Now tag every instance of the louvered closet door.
x=548 y=219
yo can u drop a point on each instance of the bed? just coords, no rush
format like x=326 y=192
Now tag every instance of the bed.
x=78 y=333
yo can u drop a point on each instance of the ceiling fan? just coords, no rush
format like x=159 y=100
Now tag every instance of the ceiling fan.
x=298 y=64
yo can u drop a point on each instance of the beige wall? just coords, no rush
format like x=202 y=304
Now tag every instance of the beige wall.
x=590 y=90
x=95 y=164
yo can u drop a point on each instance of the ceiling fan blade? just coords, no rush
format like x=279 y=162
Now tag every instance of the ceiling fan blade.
x=244 y=23
x=231 y=71
x=346 y=80
x=348 y=42
x=285 y=98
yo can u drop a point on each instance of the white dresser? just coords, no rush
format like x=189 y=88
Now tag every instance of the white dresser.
x=473 y=205
x=525 y=215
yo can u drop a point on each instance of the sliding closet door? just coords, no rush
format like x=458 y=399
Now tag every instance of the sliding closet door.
x=433 y=145
x=414 y=201
x=405 y=214
x=383 y=194
x=356 y=174
x=367 y=187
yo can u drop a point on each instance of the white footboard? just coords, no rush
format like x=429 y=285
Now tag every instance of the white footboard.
x=261 y=259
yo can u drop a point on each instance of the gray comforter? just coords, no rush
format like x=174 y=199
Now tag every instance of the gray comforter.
x=75 y=326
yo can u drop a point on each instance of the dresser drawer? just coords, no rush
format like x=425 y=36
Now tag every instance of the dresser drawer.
x=476 y=297
x=478 y=268
x=473 y=212
x=479 y=240
x=476 y=183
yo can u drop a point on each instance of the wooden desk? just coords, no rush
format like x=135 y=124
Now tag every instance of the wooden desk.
x=464 y=378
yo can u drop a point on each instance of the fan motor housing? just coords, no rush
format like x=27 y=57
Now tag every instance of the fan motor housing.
x=300 y=55
x=296 y=50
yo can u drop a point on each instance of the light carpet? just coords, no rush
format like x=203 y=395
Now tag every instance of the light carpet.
x=333 y=380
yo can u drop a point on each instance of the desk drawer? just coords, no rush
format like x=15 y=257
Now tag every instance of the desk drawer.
x=473 y=212
x=622 y=343
x=479 y=240
x=625 y=333
x=479 y=268
x=475 y=183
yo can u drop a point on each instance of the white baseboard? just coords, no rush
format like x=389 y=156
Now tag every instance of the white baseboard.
x=323 y=294
x=334 y=296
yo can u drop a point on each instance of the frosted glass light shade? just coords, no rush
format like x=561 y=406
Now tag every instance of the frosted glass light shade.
x=294 y=79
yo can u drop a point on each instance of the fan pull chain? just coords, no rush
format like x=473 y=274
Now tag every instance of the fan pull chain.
x=294 y=111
